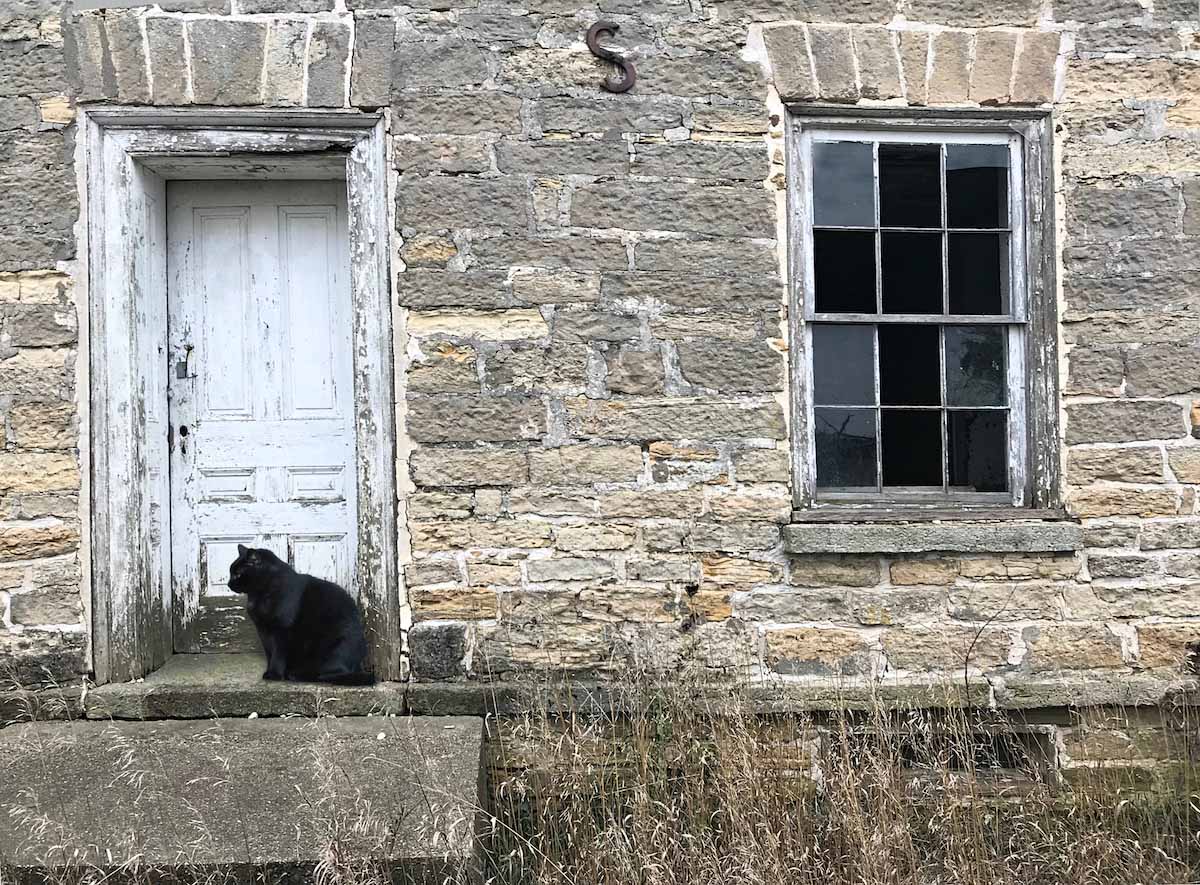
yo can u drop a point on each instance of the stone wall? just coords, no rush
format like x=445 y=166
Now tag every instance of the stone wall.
x=591 y=318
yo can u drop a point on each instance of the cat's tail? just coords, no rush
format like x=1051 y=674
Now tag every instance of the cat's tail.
x=364 y=677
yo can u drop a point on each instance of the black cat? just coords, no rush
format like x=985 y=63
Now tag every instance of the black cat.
x=310 y=629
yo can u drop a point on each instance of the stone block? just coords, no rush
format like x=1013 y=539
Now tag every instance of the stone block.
x=732 y=537
x=627 y=113
x=371 y=69
x=837 y=571
x=818 y=651
x=1055 y=647
x=486 y=574
x=501 y=26
x=465 y=114
x=168 y=59
x=569 y=569
x=559 y=156
x=53 y=606
x=468 y=467
x=892 y=606
x=33 y=538
x=32 y=473
x=444 y=63
x=924 y=571
x=127 y=56
x=437 y=651
x=635 y=372
x=1097 y=10
x=42 y=657
x=671 y=205
x=1128 y=421
x=43 y=425
x=428 y=250
x=947 y=648
x=541 y=502
x=974 y=13
x=227 y=60
x=446 y=368
x=584 y=326
x=995 y=52
x=1162 y=370
x=427 y=572
x=651 y=503
x=719 y=569
x=713 y=257
x=833 y=56
x=550 y=69
x=283 y=71
x=663 y=570
x=770 y=606
x=992 y=537
x=473 y=419
x=791 y=70
x=496 y=325
x=1096 y=212
x=731 y=367
x=1096 y=502
x=1185 y=464
x=1170 y=646
x=594 y=537
x=727 y=74
x=577 y=465
x=1029 y=600
x=328 y=52
x=690 y=418
x=949 y=81
x=554 y=287
x=577 y=252
x=439 y=202
x=1125 y=464
x=464 y=534
x=38 y=325
x=762 y=465
x=40 y=373
x=1036 y=67
x=708 y=160
x=914 y=59
x=561 y=368
x=878 y=73
x=1095 y=371
x=1107 y=566
x=430 y=289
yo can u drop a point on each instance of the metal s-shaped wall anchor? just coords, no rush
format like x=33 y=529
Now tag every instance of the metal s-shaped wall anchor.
x=628 y=74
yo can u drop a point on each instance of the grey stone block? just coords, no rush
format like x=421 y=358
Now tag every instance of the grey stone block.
x=715 y=257
x=563 y=156
x=240 y=816
x=227 y=60
x=791 y=71
x=689 y=159
x=637 y=372
x=439 y=202
x=974 y=13
x=168 y=60
x=328 y=51
x=569 y=569
x=572 y=251
x=688 y=291
x=1124 y=421
x=699 y=418
x=468 y=467
x=585 y=326
x=731 y=366
x=284 y=68
x=371 y=70
x=501 y=26
x=437 y=651
x=624 y=114
x=1162 y=370
x=1108 y=213
x=18 y=113
x=444 y=63
x=833 y=57
x=428 y=288
x=878 y=72
x=470 y=419
x=286 y=6
x=123 y=35
x=672 y=205
x=990 y=537
x=465 y=114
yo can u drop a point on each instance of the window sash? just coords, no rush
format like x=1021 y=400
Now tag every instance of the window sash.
x=1016 y=320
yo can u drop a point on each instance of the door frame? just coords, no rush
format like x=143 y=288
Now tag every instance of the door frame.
x=128 y=154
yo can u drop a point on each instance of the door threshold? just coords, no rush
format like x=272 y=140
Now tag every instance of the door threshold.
x=210 y=686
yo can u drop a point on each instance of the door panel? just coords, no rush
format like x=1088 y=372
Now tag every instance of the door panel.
x=260 y=391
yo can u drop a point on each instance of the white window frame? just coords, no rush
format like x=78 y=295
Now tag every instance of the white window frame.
x=1031 y=353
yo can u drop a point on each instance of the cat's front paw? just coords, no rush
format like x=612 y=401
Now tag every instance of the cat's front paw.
x=271 y=674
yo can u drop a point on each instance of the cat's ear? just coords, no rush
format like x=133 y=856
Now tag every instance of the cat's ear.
x=243 y=549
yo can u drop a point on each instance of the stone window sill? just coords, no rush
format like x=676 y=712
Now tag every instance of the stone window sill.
x=1000 y=531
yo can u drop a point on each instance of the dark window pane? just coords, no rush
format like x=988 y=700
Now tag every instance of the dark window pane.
x=843 y=184
x=909 y=365
x=844 y=365
x=910 y=185
x=978 y=450
x=845 y=448
x=845 y=269
x=912 y=272
x=977 y=185
x=912 y=448
x=979 y=279
x=975 y=366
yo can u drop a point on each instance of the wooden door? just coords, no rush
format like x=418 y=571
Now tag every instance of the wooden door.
x=260 y=389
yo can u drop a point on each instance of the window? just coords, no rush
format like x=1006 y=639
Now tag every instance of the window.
x=922 y=315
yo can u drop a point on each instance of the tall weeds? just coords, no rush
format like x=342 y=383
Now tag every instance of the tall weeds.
x=672 y=785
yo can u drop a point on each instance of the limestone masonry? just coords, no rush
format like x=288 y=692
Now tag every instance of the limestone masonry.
x=591 y=336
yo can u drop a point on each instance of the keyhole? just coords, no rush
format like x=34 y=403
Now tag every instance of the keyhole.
x=183 y=432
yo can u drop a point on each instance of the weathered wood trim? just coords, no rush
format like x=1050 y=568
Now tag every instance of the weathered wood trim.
x=131 y=620
x=1038 y=485
x=374 y=399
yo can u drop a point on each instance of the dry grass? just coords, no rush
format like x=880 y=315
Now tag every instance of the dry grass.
x=673 y=785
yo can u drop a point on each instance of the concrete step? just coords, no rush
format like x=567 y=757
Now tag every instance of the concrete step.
x=268 y=799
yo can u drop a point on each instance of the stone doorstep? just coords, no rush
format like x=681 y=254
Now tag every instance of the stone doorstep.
x=242 y=794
